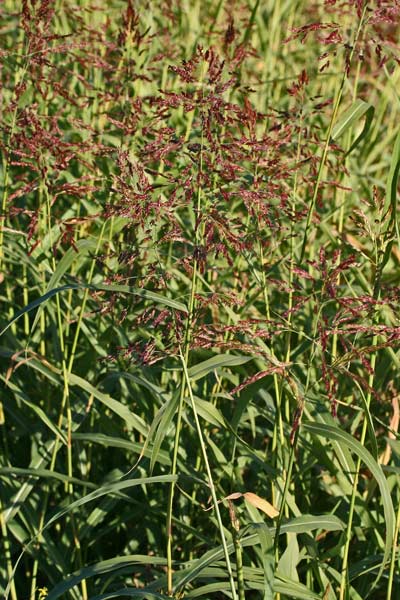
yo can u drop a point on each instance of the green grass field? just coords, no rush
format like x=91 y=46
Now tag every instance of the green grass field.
x=199 y=291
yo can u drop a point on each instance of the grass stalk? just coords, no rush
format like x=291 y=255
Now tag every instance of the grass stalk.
x=278 y=441
x=344 y=583
x=287 y=480
x=235 y=526
x=332 y=121
x=198 y=232
x=395 y=553
x=7 y=553
x=210 y=479
x=64 y=405
x=178 y=430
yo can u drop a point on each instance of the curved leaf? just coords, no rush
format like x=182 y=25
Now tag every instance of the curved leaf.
x=211 y=364
x=293 y=589
x=209 y=412
x=83 y=247
x=18 y=500
x=114 y=442
x=100 y=568
x=302 y=524
x=45 y=474
x=334 y=433
x=126 y=289
x=391 y=184
x=161 y=424
x=307 y=523
x=354 y=113
x=131 y=593
x=116 y=407
x=110 y=488
x=39 y=412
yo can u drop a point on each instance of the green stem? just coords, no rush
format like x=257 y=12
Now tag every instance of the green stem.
x=344 y=583
x=394 y=554
x=198 y=234
x=278 y=426
x=328 y=138
x=209 y=476
x=341 y=194
x=239 y=565
x=178 y=429
x=283 y=502
x=7 y=553
x=18 y=79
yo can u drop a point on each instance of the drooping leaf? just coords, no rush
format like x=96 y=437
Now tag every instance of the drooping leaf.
x=101 y=568
x=293 y=589
x=261 y=504
x=209 y=412
x=161 y=426
x=391 y=185
x=105 y=490
x=267 y=557
x=334 y=433
x=216 y=362
x=122 y=289
x=82 y=249
x=19 y=498
x=39 y=412
x=289 y=560
x=108 y=489
x=18 y=472
x=389 y=226
x=307 y=523
x=114 y=442
x=354 y=113
x=131 y=593
x=116 y=407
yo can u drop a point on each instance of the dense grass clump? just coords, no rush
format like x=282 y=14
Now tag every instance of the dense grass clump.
x=199 y=281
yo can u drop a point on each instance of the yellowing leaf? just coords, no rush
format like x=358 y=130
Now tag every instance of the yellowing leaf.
x=256 y=501
x=234 y=496
x=261 y=504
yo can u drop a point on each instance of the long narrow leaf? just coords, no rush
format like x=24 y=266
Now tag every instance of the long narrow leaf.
x=17 y=472
x=216 y=362
x=116 y=407
x=82 y=249
x=354 y=113
x=110 y=488
x=391 y=185
x=123 y=289
x=334 y=433
x=101 y=568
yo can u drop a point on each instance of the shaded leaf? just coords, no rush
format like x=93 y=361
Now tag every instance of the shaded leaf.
x=101 y=568
x=114 y=442
x=45 y=474
x=116 y=407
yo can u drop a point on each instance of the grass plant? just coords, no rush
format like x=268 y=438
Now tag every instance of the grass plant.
x=199 y=283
